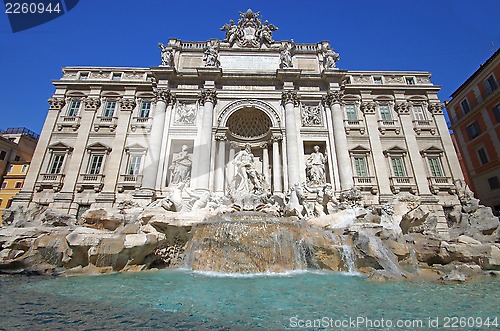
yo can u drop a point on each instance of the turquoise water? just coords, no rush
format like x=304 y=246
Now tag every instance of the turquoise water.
x=182 y=299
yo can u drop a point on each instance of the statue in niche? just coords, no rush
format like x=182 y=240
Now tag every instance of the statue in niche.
x=185 y=114
x=211 y=54
x=311 y=115
x=324 y=199
x=181 y=166
x=167 y=56
x=315 y=168
x=286 y=56
x=250 y=180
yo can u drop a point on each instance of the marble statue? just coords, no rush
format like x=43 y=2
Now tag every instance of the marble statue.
x=181 y=166
x=311 y=115
x=265 y=33
x=324 y=197
x=167 y=56
x=186 y=113
x=249 y=178
x=315 y=167
x=330 y=57
x=198 y=200
x=286 y=56
x=295 y=205
x=211 y=54
x=233 y=32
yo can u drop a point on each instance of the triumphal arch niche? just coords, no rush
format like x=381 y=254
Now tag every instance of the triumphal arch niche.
x=241 y=112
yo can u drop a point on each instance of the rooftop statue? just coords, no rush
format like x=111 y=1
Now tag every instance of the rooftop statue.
x=250 y=32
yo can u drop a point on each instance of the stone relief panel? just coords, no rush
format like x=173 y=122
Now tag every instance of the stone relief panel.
x=311 y=115
x=185 y=113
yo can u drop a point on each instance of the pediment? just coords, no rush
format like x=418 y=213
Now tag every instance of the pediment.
x=359 y=150
x=395 y=150
x=432 y=150
x=98 y=146
x=60 y=146
x=135 y=147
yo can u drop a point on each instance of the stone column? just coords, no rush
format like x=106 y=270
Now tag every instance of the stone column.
x=277 y=185
x=220 y=165
x=334 y=100
x=265 y=161
x=290 y=101
x=208 y=98
x=162 y=96
x=232 y=152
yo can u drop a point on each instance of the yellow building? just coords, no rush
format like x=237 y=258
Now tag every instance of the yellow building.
x=12 y=183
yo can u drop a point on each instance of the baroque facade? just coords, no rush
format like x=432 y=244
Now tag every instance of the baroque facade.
x=116 y=134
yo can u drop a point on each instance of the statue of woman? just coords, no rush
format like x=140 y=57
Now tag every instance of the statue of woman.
x=181 y=166
x=316 y=167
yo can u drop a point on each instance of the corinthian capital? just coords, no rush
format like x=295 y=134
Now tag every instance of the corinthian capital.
x=368 y=107
x=436 y=108
x=91 y=103
x=290 y=96
x=162 y=94
x=209 y=95
x=402 y=108
x=127 y=104
x=56 y=103
x=334 y=97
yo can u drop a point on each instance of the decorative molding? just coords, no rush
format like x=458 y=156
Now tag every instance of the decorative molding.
x=249 y=103
x=209 y=95
x=290 y=96
x=436 y=108
x=334 y=97
x=91 y=103
x=368 y=107
x=56 y=103
x=185 y=114
x=127 y=104
x=163 y=94
x=250 y=32
x=402 y=108
x=311 y=115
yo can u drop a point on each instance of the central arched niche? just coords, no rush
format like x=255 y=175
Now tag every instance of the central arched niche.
x=249 y=124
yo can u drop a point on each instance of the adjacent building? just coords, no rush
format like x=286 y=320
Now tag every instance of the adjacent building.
x=17 y=146
x=115 y=134
x=474 y=112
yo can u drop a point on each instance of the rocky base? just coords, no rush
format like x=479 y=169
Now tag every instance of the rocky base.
x=399 y=241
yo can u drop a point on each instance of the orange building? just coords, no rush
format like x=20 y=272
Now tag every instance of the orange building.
x=12 y=183
x=474 y=112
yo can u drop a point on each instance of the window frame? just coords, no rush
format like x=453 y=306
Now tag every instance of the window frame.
x=109 y=112
x=378 y=80
x=473 y=130
x=134 y=167
x=350 y=110
x=73 y=111
x=56 y=170
x=496 y=112
x=494 y=183
x=389 y=112
x=422 y=112
x=490 y=84
x=482 y=155
x=410 y=80
x=142 y=109
x=96 y=163
x=467 y=108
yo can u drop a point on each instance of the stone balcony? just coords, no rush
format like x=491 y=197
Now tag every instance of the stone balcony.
x=72 y=122
x=105 y=122
x=53 y=181
x=366 y=183
x=90 y=181
x=399 y=184
x=437 y=184
x=354 y=125
x=424 y=125
x=389 y=125
x=141 y=123
x=131 y=182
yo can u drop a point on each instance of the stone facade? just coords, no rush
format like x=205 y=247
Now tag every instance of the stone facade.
x=116 y=134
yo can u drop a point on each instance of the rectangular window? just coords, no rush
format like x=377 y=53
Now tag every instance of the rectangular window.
x=117 y=76
x=134 y=165
x=73 y=108
x=377 y=80
x=473 y=130
x=56 y=164
x=11 y=167
x=9 y=203
x=95 y=164
x=494 y=182
x=435 y=166
x=24 y=168
x=418 y=113
x=496 y=112
x=145 y=109
x=385 y=113
x=110 y=109
x=490 y=84
x=19 y=184
x=4 y=184
x=465 y=106
x=350 y=111
x=84 y=76
x=483 y=157
x=360 y=166
x=410 y=81
x=3 y=154
x=398 y=166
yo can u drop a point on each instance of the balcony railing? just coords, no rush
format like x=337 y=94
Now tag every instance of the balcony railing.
x=105 y=121
x=366 y=183
x=437 y=184
x=424 y=125
x=402 y=183
x=389 y=125
x=54 y=181
x=141 y=122
x=93 y=181
x=357 y=125
x=68 y=121
x=129 y=182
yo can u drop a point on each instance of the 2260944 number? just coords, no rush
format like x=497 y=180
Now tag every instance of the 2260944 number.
x=31 y=8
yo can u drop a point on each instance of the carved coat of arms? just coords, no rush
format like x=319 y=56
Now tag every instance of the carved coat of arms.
x=250 y=32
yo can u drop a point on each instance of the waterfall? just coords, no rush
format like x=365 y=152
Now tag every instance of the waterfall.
x=348 y=258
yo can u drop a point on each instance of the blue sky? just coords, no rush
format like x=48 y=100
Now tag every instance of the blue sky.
x=449 y=38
